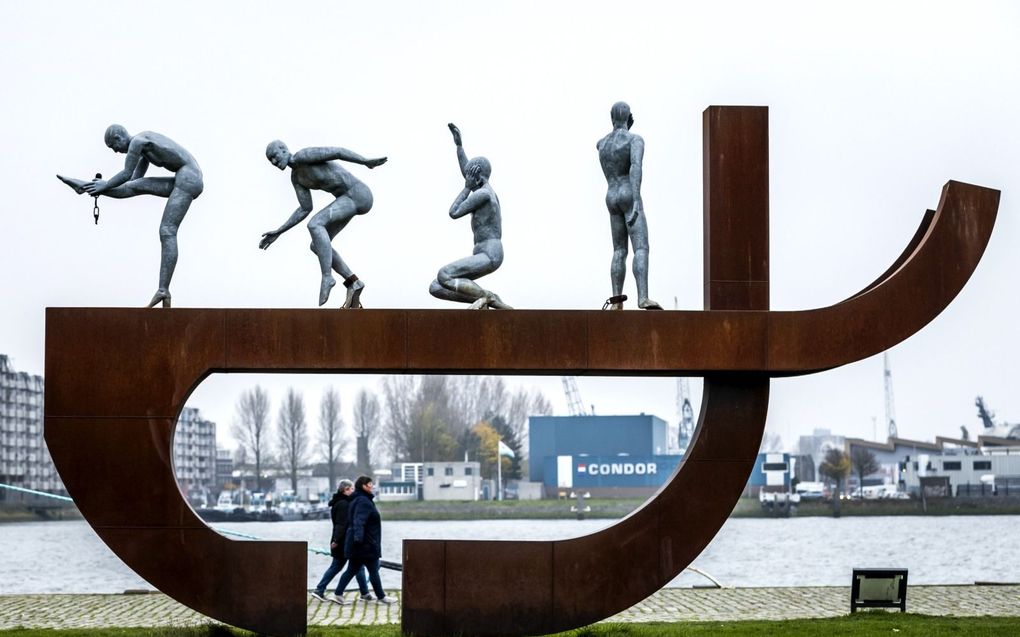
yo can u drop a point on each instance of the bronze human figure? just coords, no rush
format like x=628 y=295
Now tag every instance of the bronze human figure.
x=185 y=186
x=621 y=153
x=456 y=281
x=317 y=169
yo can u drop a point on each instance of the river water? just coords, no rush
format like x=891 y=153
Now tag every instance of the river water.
x=68 y=557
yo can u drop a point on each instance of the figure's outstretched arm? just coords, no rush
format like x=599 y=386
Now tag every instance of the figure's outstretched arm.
x=134 y=157
x=637 y=154
x=321 y=154
x=461 y=155
x=302 y=211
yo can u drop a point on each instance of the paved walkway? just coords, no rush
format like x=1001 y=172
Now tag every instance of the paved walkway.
x=670 y=604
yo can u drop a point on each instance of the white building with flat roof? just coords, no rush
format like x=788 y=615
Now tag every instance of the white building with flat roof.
x=452 y=481
x=982 y=471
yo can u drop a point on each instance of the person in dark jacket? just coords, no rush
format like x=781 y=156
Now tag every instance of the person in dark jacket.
x=363 y=542
x=339 y=506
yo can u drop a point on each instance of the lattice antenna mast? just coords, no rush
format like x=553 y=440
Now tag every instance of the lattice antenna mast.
x=574 y=404
x=890 y=406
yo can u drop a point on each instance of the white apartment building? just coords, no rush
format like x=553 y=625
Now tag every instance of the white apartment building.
x=195 y=452
x=24 y=458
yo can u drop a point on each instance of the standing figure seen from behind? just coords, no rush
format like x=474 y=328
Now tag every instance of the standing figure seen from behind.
x=621 y=153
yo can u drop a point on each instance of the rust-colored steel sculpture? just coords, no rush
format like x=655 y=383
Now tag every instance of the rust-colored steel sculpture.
x=118 y=378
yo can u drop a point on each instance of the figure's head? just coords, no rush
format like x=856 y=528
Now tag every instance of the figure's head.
x=621 y=116
x=477 y=172
x=346 y=487
x=363 y=483
x=278 y=154
x=117 y=138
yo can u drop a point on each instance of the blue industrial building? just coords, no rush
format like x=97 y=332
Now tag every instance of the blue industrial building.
x=609 y=456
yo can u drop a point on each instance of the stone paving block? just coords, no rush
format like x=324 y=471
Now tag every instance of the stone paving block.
x=667 y=605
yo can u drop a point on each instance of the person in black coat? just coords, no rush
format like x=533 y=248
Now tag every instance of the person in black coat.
x=363 y=542
x=339 y=506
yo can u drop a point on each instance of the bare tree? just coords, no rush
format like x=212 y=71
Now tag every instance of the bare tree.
x=251 y=427
x=293 y=434
x=865 y=463
x=366 y=428
x=399 y=396
x=523 y=405
x=420 y=419
x=331 y=432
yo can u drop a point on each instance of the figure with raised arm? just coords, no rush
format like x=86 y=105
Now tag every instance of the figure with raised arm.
x=621 y=153
x=318 y=169
x=456 y=281
x=185 y=186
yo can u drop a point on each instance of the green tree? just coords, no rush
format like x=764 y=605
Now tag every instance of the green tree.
x=432 y=434
x=485 y=440
x=836 y=467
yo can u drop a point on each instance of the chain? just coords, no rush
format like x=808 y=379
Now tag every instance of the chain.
x=95 y=205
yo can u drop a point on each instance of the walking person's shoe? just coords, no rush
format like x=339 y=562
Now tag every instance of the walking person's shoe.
x=387 y=600
x=320 y=595
x=339 y=599
x=367 y=597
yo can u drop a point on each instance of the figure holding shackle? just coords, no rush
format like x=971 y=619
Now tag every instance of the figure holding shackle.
x=185 y=186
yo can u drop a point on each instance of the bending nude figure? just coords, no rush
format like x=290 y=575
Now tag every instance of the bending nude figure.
x=621 y=153
x=455 y=282
x=317 y=169
x=185 y=186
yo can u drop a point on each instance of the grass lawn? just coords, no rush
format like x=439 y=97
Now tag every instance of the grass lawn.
x=868 y=623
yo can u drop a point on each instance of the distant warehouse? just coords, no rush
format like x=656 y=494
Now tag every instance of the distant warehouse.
x=608 y=456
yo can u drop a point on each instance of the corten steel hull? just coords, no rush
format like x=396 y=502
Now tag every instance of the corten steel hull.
x=118 y=378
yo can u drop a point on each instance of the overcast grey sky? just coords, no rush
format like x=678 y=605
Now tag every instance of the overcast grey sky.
x=873 y=107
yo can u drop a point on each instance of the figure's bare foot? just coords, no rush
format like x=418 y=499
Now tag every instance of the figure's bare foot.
x=353 y=300
x=325 y=288
x=649 y=304
x=481 y=303
x=77 y=185
x=497 y=303
x=161 y=295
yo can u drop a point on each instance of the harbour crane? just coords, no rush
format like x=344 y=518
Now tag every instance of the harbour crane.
x=574 y=405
